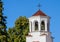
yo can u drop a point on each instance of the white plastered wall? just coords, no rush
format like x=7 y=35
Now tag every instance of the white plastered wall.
x=39 y=19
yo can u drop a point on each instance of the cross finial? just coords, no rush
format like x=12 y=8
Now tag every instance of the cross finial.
x=39 y=6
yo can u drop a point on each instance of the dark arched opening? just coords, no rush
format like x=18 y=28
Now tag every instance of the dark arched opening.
x=36 y=25
x=42 y=25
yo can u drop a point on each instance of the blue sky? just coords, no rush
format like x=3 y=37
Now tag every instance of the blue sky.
x=15 y=8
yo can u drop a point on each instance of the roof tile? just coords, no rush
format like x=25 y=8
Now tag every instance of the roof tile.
x=39 y=13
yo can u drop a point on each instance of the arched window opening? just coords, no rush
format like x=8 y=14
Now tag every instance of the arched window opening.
x=36 y=25
x=42 y=25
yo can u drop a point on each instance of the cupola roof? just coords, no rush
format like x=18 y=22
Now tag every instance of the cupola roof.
x=39 y=13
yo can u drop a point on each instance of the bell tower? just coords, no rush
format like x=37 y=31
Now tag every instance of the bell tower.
x=39 y=22
x=39 y=28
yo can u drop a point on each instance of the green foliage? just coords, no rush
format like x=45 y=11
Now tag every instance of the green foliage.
x=19 y=31
x=21 y=26
x=3 y=33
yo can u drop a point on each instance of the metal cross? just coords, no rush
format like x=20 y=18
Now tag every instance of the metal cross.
x=39 y=6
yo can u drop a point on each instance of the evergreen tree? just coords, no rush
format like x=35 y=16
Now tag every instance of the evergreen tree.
x=2 y=24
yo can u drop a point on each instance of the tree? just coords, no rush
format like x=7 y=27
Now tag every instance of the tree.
x=19 y=31
x=2 y=24
x=21 y=26
x=11 y=34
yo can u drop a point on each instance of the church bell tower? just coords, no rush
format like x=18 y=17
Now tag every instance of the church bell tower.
x=39 y=28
